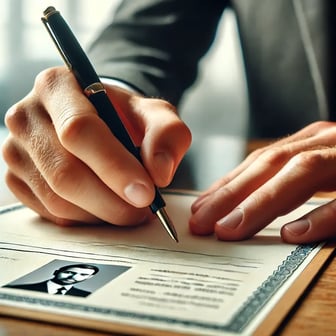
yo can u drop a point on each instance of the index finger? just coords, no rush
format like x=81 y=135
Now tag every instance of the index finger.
x=285 y=191
x=83 y=133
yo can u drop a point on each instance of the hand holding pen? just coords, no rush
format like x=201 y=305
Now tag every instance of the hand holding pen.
x=66 y=164
x=77 y=61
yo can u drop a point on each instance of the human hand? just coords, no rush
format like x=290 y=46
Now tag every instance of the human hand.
x=271 y=182
x=64 y=163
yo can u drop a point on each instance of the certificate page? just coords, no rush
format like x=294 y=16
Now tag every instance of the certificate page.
x=145 y=283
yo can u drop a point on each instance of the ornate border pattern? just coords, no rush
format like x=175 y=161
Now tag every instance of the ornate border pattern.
x=238 y=323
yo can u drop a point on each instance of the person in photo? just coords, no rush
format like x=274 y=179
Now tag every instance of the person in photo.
x=63 y=281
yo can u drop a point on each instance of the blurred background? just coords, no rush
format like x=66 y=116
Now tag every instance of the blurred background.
x=215 y=108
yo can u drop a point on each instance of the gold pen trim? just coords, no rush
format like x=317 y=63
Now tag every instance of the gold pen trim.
x=49 y=11
x=94 y=88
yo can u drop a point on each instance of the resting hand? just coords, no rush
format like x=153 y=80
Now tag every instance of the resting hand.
x=65 y=164
x=271 y=182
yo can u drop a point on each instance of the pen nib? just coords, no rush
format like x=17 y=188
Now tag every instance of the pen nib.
x=167 y=223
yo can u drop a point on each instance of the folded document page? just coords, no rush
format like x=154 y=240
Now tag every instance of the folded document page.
x=138 y=281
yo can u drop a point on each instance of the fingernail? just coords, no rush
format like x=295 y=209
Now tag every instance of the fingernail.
x=232 y=220
x=164 y=163
x=138 y=194
x=298 y=227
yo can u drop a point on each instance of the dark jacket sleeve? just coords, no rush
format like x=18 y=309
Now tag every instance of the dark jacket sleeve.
x=155 y=45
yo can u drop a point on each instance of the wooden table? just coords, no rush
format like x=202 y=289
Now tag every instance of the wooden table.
x=314 y=314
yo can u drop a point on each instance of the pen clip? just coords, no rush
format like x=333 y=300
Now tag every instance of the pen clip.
x=53 y=37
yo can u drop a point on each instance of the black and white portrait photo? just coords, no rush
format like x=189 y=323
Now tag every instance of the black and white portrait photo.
x=64 y=278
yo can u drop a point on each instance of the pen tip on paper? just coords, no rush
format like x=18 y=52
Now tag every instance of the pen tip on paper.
x=167 y=223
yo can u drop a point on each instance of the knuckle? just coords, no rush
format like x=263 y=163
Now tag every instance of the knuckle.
x=225 y=192
x=12 y=181
x=16 y=119
x=55 y=205
x=47 y=80
x=256 y=153
x=72 y=127
x=60 y=208
x=11 y=153
x=275 y=156
x=319 y=126
x=308 y=160
x=19 y=188
x=62 y=180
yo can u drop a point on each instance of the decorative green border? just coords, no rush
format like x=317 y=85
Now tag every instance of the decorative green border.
x=238 y=323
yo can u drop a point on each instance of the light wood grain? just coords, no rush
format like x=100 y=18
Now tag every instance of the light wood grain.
x=316 y=312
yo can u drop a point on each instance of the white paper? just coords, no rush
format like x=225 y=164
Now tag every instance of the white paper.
x=199 y=286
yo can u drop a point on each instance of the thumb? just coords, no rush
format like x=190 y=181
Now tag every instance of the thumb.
x=165 y=142
x=156 y=128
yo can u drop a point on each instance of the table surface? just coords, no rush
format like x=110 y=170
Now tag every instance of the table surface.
x=314 y=314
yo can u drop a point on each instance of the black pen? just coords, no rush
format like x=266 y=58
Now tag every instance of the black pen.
x=78 y=62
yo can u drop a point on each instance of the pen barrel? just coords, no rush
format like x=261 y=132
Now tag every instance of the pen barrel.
x=108 y=113
x=75 y=58
x=111 y=118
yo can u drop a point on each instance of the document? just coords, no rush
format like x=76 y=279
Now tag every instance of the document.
x=138 y=281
